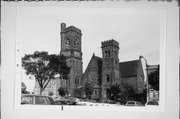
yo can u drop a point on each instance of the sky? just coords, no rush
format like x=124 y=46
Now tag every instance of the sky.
x=136 y=30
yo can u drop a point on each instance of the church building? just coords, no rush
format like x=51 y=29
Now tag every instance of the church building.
x=102 y=73
x=107 y=71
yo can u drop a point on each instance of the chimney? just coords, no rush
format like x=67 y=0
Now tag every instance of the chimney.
x=63 y=26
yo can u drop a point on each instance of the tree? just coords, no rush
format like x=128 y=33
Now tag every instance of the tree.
x=78 y=92
x=88 y=89
x=115 y=90
x=154 y=79
x=45 y=67
x=61 y=91
x=127 y=93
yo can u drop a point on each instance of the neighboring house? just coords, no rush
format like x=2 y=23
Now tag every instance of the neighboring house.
x=153 y=95
x=53 y=86
x=152 y=68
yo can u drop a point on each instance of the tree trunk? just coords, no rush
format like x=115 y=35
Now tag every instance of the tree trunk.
x=41 y=91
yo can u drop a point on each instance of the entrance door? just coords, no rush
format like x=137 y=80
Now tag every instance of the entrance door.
x=108 y=93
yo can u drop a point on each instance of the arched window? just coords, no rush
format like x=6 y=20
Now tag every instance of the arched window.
x=67 y=43
x=115 y=53
x=106 y=54
x=76 y=80
x=116 y=62
x=76 y=43
x=67 y=82
x=95 y=92
x=108 y=78
x=109 y=53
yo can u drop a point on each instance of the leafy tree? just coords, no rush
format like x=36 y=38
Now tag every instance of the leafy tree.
x=127 y=93
x=45 y=67
x=128 y=90
x=115 y=90
x=88 y=89
x=78 y=92
x=154 y=79
x=61 y=91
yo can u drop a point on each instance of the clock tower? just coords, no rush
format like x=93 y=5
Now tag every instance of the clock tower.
x=71 y=48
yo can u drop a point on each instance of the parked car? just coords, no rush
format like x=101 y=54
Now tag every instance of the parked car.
x=61 y=101
x=133 y=103
x=77 y=100
x=153 y=103
x=72 y=101
x=66 y=101
x=108 y=101
x=36 y=99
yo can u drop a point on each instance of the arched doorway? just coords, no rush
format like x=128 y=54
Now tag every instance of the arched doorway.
x=108 y=94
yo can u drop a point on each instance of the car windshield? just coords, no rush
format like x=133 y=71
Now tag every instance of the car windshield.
x=138 y=103
x=27 y=99
x=41 y=100
x=132 y=103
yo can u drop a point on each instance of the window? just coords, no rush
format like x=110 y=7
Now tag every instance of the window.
x=95 y=92
x=115 y=53
x=131 y=103
x=77 y=80
x=116 y=62
x=67 y=43
x=109 y=53
x=106 y=53
x=76 y=43
x=108 y=78
x=67 y=81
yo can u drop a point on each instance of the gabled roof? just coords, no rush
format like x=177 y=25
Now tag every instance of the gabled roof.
x=99 y=60
x=94 y=63
x=129 y=68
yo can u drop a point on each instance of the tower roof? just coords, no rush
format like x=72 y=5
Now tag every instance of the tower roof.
x=111 y=42
x=71 y=28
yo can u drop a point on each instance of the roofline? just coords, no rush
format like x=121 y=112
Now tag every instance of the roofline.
x=154 y=65
x=129 y=61
x=70 y=30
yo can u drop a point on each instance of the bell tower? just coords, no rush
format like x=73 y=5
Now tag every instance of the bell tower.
x=71 y=48
x=110 y=66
